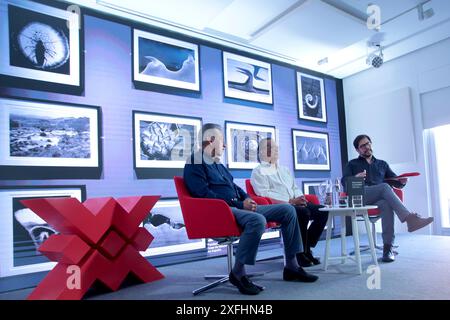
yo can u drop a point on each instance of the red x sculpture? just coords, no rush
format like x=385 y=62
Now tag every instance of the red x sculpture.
x=99 y=239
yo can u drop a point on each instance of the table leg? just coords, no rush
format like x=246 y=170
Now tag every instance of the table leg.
x=343 y=239
x=370 y=237
x=356 y=241
x=327 y=241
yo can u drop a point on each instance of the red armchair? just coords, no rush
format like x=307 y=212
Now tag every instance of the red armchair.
x=208 y=218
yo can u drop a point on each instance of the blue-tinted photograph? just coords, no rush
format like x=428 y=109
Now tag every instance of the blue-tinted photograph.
x=311 y=150
x=43 y=135
x=248 y=77
x=166 y=224
x=38 y=41
x=311 y=98
x=167 y=61
x=29 y=232
x=164 y=141
x=245 y=144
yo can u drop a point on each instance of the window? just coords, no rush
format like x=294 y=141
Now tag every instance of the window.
x=442 y=159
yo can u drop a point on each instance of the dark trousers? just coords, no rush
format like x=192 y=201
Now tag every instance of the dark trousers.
x=311 y=235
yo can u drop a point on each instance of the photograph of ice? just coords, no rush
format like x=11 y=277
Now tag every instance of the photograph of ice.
x=166 y=61
x=29 y=232
x=247 y=77
x=43 y=134
x=166 y=141
x=312 y=98
x=165 y=223
x=244 y=144
x=311 y=150
x=38 y=41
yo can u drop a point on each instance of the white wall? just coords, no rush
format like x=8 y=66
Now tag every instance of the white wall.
x=423 y=72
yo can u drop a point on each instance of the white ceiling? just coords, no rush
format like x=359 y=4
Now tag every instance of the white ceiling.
x=299 y=32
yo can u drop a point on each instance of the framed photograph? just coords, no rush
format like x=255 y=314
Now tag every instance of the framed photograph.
x=23 y=231
x=165 y=222
x=311 y=98
x=246 y=78
x=165 y=61
x=164 y=141
x=46 y=134
x=39 y=42
x=242 y=141
x=313 y=187
x=311 y=150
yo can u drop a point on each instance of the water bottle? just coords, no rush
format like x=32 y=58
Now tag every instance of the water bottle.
x=329 y=193
x=337 y=189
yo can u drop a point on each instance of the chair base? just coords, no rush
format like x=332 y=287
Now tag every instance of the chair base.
x=220 y=280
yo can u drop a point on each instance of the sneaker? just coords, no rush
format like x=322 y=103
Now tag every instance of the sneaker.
x=298 y=275
x=416 y=222
x=303 y=260
x=388 y=253
x=311 y=258
x=244 y=285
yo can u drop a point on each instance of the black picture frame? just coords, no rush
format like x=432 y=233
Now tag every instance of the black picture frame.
x=314 y=154
x=23 y=231
x=42 y=139
x=161 y=75
x=236 y=67
x=42 y=46
x=248 y=156
x=311 y=97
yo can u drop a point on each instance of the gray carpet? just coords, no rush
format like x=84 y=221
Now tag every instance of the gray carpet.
x=421 y=271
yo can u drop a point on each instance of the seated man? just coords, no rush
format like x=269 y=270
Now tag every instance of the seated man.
x=377 y=192
x=271 y=180
x=206 y=177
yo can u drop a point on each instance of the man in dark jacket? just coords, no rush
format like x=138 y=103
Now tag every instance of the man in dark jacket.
x=376 y=191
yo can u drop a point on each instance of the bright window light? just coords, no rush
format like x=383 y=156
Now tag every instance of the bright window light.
x=441 y=135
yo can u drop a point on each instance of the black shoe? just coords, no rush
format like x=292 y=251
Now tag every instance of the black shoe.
x=303 y=260
x=388 y=253
x=299 y=275
x=311 y=258
x=244 y=285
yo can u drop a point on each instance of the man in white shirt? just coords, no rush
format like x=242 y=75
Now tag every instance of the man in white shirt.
x=276 y=182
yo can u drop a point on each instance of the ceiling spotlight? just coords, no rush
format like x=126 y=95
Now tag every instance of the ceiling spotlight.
x=376 y=59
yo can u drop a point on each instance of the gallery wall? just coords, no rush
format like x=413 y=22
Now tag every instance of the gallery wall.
x=107 y=84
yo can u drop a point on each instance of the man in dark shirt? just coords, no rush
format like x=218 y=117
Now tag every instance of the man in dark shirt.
x=376 y=191
x=206 y=177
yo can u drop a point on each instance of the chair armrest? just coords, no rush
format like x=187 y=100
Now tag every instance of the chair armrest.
x=312 y=198
x=260 y=200
x=208 y=218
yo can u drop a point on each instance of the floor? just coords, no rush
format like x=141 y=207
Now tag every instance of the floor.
x=421 y=271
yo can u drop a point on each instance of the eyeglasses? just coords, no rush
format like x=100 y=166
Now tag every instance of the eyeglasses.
x=365 y=145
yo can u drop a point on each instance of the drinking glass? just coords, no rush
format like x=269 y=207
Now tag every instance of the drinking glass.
x=357 y=201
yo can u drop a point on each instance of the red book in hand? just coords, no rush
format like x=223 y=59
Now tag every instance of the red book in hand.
x=400 y=181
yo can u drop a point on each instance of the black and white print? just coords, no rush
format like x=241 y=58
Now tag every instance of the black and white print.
x=311 y=98
x=45 y=134
x=39 y=42
x=164 y=141
x=165 y=61
x=243 y=141
x=24 y=231
x=311 y=150
x=246 y=78
x=166 y=224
